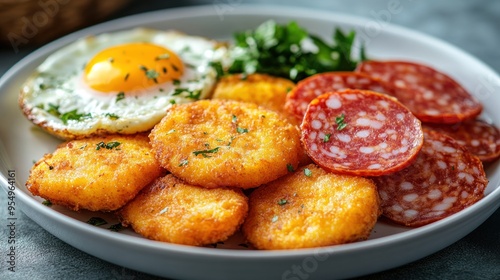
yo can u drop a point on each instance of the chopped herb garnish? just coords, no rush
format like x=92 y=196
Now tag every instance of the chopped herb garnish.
x=274 y=219
x=112 y=116
x=290 y=168
x=307 y=172
x=108 y=146
x=73 y=115
x=176 y=82
x=126 y=76
x=241 y=130
x=116 y=227
x=218 y=68
x=194 y=94
x=170 y=131
x=205 y=152
x=326 y=138
x=152 y=75
x=172 y=101
x=120 y=96
x=53 y=110
x=184 y=162
x=42 y=86
x=47 y=203
x=96 y=221
x=83 y=147
x=282 y=201
x=340 y=120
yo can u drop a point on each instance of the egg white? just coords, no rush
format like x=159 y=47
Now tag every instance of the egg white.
x=57 y=87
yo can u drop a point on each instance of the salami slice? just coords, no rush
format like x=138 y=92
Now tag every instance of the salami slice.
x=308 y=89
x=360 y=132
x=431 y=95
x=444 y=179
x=480 y=138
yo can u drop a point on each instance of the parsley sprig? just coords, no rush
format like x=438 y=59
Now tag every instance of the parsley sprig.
x=281 y=50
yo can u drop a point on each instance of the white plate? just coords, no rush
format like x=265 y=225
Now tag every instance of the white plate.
x=389 y=245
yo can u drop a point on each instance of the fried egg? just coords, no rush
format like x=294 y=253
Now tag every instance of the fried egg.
x=122 y=82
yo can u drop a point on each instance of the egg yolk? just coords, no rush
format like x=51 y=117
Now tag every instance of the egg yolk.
x=132 y=66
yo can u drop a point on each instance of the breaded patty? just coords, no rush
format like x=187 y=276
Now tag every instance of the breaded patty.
x=172 y=211
x=311 y=208
x=98 y=174
x=265 y=90
x=222 y=143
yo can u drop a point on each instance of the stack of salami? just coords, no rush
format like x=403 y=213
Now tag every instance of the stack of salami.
x=412 y=129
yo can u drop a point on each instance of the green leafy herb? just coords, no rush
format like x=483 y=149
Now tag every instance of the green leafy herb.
x=54 y=110
x=340 y=120
x=241 y=130
x=282 y=201
x=108 y=146
x=73 y=115
x=307 y=172
x=96 y=221
x=120 y=95
x=176 y=82
x=116 y=227
x=290 y=168
x=290 y=51
x=112 y=116
x=326 y=138
x=206 y=152
x=47 y=203
x=193 y=94
x=218 y=68
x=184 y=162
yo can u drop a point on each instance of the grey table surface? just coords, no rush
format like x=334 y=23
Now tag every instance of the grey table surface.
x=473 y=26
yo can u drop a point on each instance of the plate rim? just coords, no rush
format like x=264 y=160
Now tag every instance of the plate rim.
x=490 y=201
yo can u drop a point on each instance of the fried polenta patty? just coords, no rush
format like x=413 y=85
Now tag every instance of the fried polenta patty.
x=222 y=143
x=265 y=90
x=172 y=211
x=97 y=174
x=311 y=208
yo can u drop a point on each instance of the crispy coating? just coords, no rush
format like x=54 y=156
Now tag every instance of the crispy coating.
x=172 y=211
x=222 y=143
x=83 y=174
x=267 y=91
x=301 y=211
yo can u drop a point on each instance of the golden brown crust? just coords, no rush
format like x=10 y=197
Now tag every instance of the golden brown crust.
x=172 y=211
x=80 y=176
x=300 y=211
x=220 y=143
x=267 y=91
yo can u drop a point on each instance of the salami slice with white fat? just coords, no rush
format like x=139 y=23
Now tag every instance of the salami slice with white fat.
x=360 y=132
x=308 y=89
x=480 y=138
x=431 y=95
x=444 y=179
